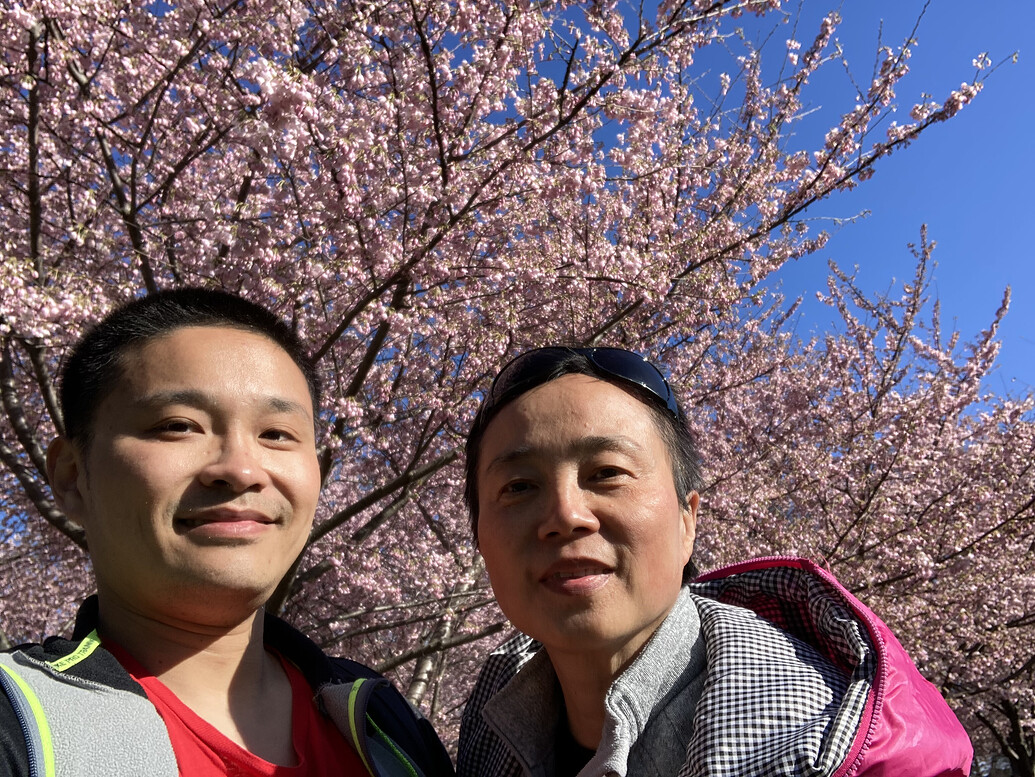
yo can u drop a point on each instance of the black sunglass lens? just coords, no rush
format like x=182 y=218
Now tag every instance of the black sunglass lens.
x=531 y=367
x=524 y=369
x=635 y=369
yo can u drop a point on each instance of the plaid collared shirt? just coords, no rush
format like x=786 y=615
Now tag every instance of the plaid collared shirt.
x=783 y=695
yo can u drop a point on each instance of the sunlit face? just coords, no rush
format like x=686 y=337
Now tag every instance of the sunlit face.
x=199 y=486
x=582 y=532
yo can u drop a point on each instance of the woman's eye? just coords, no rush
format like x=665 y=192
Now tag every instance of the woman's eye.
x=606 y=473
x=516 y=487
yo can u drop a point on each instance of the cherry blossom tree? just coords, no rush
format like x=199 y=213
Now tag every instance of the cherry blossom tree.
x=877 y=451
x=424 y=187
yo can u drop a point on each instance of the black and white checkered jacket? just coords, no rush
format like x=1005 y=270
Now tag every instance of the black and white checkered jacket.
x=766 y=668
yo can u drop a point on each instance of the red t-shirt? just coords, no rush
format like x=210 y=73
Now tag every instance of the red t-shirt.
x=202 y=751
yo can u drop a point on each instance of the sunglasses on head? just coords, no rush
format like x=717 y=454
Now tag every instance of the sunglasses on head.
x=534 y=367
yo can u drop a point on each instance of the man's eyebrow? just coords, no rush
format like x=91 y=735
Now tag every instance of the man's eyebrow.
x=199 y=399
x=288 y=406
x=580 y=447
x=191 y=397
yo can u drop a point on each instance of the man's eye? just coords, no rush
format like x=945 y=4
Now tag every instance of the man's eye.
x=277 y=435
x=516 y=487
x=606 y=473
x=175 y=426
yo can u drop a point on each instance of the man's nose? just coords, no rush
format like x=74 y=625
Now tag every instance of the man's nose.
x=568 y=510
x=236 y=462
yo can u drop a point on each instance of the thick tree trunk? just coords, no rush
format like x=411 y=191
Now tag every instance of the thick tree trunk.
x=1016 y=745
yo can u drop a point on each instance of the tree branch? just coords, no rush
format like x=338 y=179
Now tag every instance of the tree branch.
x=16 y=413
x=373 y=497
x=447 y=644
x=129 y=218
x=38 y=495
x=34 y=197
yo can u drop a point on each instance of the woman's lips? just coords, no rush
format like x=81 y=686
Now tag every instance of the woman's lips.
x=576 y=577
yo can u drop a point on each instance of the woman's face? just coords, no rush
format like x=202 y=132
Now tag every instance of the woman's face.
x=582 y=532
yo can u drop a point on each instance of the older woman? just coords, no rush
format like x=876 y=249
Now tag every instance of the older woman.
x=582 y=484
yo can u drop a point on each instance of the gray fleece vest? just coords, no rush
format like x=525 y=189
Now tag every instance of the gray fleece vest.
x=75 y=727
x=79 y=728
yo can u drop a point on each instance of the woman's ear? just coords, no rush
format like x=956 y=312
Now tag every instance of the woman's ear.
x=689 y=516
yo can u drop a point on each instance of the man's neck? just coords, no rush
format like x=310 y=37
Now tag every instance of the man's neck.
x=223 y=674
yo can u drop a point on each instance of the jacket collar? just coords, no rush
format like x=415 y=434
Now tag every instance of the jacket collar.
x=526 y=712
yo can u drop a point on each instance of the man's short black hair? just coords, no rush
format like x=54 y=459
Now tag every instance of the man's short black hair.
x=682 y=448
x=95 y=362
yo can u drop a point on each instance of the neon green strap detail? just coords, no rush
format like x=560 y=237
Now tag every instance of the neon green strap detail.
x=46 y=740
x=89 y=644
x=399 y=754
x=353 y=692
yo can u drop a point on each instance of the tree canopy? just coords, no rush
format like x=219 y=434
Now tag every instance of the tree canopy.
x=425 y=187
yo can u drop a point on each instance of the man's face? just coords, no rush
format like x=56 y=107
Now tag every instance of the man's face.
x=582 y=533
x=199 y=485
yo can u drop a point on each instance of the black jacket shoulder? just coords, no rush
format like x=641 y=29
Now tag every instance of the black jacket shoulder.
x=393 y=714
x=389 y=708
x=14 y=758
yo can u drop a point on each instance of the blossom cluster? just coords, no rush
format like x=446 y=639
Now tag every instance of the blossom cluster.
x=425 y=187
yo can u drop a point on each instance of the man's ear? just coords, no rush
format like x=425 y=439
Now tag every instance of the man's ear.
x=65 y=468
x=689 y=516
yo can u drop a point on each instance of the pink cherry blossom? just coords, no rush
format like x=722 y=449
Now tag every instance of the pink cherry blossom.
x=424 y=189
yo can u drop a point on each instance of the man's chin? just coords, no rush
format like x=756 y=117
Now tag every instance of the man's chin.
x=222 y=598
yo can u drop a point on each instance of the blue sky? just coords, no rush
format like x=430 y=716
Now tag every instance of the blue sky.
x=970 y=179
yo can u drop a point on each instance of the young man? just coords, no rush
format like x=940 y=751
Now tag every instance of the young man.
x=582 y=483
x=190 y=460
